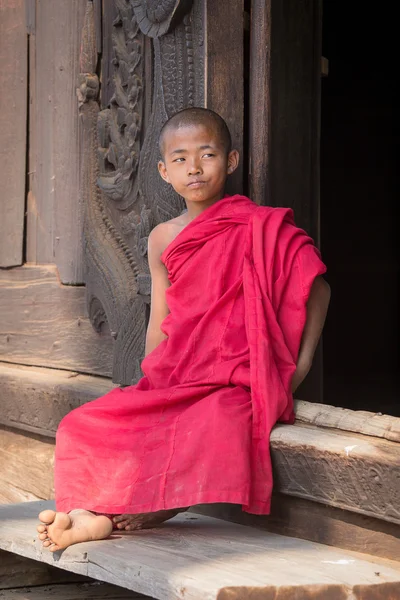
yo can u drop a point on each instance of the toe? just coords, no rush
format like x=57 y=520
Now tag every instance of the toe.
x=47 y=516
x=119 y=518
x=47 y=543
x=122 y=524
x=41 y=528
x=54 y=548
x=43 y=536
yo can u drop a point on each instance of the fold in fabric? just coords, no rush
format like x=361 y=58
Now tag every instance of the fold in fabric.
x=196 y=427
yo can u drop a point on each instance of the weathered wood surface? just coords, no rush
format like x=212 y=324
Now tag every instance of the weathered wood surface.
x=26 y=467
x=71 y=591
x=317 y=523
x=44 y=323
x=13 y=127
x=54 y=220
x=17 y=571
x=36 y=399
x=349 y=471
x=358 y=421
x=200 y=558
x=224 y=64
x=260 y=101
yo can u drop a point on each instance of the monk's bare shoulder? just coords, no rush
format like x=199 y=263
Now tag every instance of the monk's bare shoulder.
x=163 y=234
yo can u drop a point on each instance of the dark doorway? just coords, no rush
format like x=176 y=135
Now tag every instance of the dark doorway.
x=358 y=196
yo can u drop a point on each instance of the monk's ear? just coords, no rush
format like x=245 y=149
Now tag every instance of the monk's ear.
x=233 y=161
x=163 y=171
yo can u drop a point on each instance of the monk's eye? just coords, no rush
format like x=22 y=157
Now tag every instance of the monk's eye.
x=180 y=159
x=209 y=155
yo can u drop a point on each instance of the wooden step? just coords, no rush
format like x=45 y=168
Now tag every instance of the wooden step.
x=194 y=557
x=71 y=591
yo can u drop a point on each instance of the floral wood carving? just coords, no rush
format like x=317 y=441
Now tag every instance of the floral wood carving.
x=123 y=194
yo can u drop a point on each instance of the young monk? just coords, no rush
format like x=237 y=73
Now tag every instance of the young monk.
x=238 y=306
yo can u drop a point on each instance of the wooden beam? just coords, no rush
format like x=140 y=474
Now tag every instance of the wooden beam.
x=54 y=219
x=44 y=323
x=260 y=102
x=349 y=471
x=36 y=399
x=93 y=590
x=224 y=66
x=13 y=125
x=316 y=522
x=344 y=419
x=26 y=466
x=17 y=571
x=199 y=558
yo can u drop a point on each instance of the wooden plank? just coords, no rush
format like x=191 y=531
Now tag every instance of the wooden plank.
x=36 y=399
x=200 y=558
x=30 y=16
x=260 y=102
x=54 y=220
x=17 y=571
x=350 y=471
x=44 y=323
x=224 y=73
x=26 y=466
x=358 y=421
x=72 y=591
x=317 y=523
x=13 y=123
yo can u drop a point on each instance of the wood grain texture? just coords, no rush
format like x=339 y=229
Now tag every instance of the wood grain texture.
x=200 y=558
x=224 y=65
x=26 y=466
x=44 y=323
x=54 y=220
x=316 y=522
x=13 y=125
x=72 y=591
x=260 y=102
x=294 y=98
x=358 y=421
x=354 y=472
x=17 y=571
x=36 y=399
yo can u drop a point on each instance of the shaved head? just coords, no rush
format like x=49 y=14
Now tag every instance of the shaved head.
x=193 y=117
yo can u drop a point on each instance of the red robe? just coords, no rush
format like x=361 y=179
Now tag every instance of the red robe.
x=196 y=427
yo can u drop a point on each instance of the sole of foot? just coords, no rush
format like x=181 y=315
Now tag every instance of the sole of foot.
x=59 y=530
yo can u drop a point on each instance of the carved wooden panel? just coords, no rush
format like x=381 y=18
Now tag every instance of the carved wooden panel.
x=123 y=194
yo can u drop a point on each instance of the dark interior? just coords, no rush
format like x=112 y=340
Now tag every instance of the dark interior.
x=358 y=216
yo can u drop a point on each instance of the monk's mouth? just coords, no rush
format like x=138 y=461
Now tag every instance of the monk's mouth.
x=196 y=184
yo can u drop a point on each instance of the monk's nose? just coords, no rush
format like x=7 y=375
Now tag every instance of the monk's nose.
x=194 y=169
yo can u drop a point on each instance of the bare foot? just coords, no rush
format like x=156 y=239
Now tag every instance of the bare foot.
x=145 y=520
x=60 y=530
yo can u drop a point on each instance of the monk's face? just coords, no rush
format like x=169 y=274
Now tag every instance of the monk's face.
x=196 y=163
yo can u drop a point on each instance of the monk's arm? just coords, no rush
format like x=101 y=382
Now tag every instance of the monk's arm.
x=317 y=308
x=159 y=284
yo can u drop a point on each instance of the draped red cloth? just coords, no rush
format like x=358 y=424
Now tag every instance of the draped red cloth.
x=196 y=427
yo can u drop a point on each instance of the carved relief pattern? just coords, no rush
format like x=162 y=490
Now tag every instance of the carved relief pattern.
x=123 y=193
x=352 y=483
